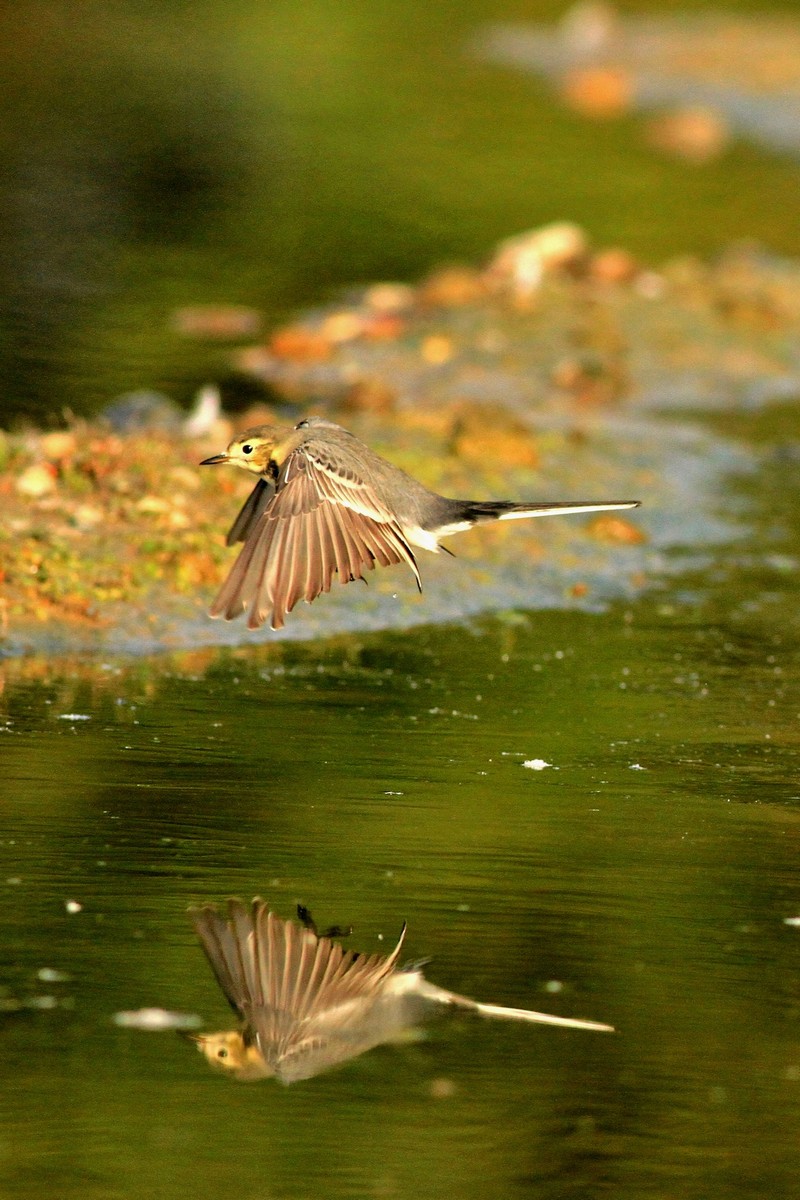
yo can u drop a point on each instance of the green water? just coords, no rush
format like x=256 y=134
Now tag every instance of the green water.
x=648 y=869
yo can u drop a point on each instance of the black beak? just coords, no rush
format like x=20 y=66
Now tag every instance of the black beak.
x=215 y=460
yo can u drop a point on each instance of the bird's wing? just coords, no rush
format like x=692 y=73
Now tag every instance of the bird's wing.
x=323 y=520
x=223 y=952
x=300 y=996
x=250 y=511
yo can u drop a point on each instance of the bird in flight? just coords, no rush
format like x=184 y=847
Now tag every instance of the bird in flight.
x=305 y=1004
x=326 y=505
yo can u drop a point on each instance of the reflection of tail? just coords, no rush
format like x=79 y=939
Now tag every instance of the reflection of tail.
x=526 y=1014
x=438 y=995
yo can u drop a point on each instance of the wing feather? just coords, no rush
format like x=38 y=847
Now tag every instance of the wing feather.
x=220 y=948
x=322 y=520
x=287 y=984
x=250 y=512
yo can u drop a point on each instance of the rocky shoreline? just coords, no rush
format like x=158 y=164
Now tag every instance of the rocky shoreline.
x=555 y=371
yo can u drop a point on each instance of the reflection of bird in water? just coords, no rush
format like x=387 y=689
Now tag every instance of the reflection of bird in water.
x=326 y=505
x=306 y=1004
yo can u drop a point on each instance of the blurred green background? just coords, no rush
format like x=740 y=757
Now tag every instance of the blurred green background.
x=240 y=151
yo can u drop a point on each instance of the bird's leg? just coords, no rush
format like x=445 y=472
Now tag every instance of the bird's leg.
x=334 y=931
x=337 y=931
x=306 y=919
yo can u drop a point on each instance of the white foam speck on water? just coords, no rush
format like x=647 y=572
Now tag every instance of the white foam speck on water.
x=155 y=1020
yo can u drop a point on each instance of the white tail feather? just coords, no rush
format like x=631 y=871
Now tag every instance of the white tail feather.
x=526 y=1014
x=415 y=982
x=566 y=510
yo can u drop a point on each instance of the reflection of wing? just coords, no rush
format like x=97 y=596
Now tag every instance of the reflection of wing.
x=305 y=1000
x=322 y=521
x=250 y=511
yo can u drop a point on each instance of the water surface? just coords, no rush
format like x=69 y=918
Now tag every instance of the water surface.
x=647 y=871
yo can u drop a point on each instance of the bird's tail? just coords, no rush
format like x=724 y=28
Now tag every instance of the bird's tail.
x=430 y=991
x=539 y=1018
x=471 y=512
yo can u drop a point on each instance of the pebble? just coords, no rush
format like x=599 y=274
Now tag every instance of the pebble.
x=59 y=446
x=300 y=344
x=598 y=92
x=696 y=134
x=389 y=297
x=38 y=480
x=152 y=504
x=521 y=262
x=608 y=528
x=87 y=517
x=437 y=349
x=613 y=266
x=452 y=287
x=217 y=322
x=343 y=326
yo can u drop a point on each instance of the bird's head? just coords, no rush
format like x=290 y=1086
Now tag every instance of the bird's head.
x=231 y=1054
x=254 y=450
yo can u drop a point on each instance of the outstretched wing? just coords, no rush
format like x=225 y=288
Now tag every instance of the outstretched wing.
x=250 y=512
x=299 y=995
x=323 y=520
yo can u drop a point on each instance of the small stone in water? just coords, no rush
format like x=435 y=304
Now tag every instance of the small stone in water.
x=154 y=1020
x=442 y=1089
x=50 y=975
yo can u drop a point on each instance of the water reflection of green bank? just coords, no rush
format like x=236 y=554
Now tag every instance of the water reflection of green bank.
x=380 y=778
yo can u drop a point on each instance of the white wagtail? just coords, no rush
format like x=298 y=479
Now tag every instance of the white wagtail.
x=325 y=505
x=305 y=1004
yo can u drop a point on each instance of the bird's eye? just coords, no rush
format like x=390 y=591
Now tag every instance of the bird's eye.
x=222 y=1054
x=248 y=449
